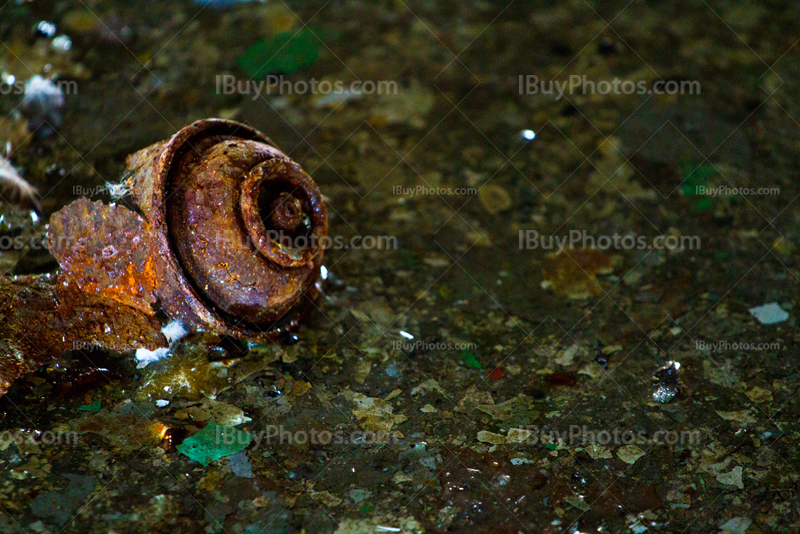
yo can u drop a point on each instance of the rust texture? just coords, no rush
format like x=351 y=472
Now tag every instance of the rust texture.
x=107 y=250
x=228 y=241
x=226 y=237
x=42 y=316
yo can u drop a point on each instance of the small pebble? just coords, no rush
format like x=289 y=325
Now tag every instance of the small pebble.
x=769 y=313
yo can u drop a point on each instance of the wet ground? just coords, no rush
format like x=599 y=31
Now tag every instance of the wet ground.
x=462 y=374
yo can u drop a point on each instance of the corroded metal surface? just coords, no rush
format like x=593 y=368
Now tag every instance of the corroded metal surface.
x=42 y=316
x=201 y=251
x=107 y=250
x=297 y=211
x=202 y=247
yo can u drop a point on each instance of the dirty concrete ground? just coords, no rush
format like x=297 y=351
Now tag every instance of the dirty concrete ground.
x=626 y=388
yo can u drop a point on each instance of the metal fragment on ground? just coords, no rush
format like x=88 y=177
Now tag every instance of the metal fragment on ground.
x=107 y=250
x=42 y=316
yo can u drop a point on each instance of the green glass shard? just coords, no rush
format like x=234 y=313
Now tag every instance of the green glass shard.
x=470 y=360
x=214 y=442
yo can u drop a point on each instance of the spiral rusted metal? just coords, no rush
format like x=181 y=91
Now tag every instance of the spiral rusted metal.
x=225 y=237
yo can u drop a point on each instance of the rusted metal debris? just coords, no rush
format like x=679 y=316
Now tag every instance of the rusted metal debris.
x=42 y=316
x=227 y=239
x=107 y=250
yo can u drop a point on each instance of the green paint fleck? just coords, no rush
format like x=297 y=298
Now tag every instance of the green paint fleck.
x=285 y=53
x=470 y=360
x=551 y=446
x=93 y=407
x=214 y=442
x=366 y=508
